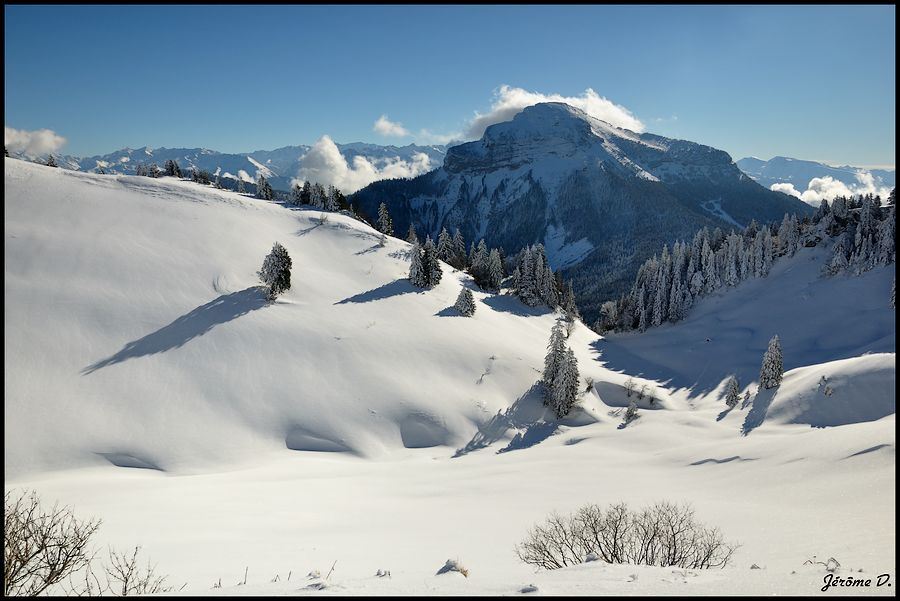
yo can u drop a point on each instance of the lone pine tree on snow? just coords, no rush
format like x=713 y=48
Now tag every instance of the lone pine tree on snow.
x=431 y=266
x=772 y=365
x=560 y=375
x=734 y=394
x=416 y=269
x=276 y=271
x=465 y=303
x=385 y=224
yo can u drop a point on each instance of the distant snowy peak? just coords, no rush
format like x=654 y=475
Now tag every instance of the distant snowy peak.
x=569 y=138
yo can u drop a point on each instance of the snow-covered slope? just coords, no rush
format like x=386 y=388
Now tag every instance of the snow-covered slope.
x=149 y=316
x=361 y=421
x=601 y=199
x=839 y=327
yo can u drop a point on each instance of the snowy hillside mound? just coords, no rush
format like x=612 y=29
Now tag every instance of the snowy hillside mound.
x=135 y=332
x=837 y=335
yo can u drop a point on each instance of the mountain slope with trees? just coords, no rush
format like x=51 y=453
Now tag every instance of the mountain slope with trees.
x=599 y=198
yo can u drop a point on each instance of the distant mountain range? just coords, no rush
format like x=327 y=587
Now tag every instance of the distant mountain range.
x=799 y=173
x=279 y=165
x=601 y=199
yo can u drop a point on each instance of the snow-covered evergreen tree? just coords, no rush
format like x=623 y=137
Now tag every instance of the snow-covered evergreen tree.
x=460 y=259
x=385 y=224
x=318 y=196
x=276 y=271
x=494 y=271
x=241 y=189
x=51 y=161
x=331 y=197
x=609 y=316
x=568 y=302
x=431 y=264
x=296 y=194
x=565 y=385
x=263 y=189
x=838 y=263
x=560 y=375
x=465 y=302
x=772 y=369
x=445 y=246
x=887 y=242
x=411 y=236
x=172 y=169
x=733 y=395
x=306 y=193
x=556 y=348
x=416 y=268
x=479 y=263
x=641 y=311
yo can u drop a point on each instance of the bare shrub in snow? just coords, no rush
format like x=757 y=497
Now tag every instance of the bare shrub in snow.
x=125 y=577
x=41 y=547
x=663 y=534
x=629 y=386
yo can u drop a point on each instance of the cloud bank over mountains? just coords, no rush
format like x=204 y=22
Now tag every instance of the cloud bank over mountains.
x=827 y=187
x=325 y=164
x=37 y=143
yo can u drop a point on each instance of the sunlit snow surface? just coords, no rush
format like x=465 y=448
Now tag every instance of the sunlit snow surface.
x=361 y=421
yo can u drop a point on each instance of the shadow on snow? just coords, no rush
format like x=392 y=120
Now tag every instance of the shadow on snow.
x=187 y=327
x=395 y=288
x=528 y=413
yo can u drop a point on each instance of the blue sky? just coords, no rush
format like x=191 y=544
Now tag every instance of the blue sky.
x=808 y=82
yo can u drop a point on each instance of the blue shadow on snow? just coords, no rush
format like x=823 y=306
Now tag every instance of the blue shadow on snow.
x=187 y=327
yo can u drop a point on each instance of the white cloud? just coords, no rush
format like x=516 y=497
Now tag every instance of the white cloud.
x=820 y=188
x=386 y=127
x=36 y=143
x=325 y=164
x=245 y=176
x=509 y=100
x=427 y=137
x=785 y=188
